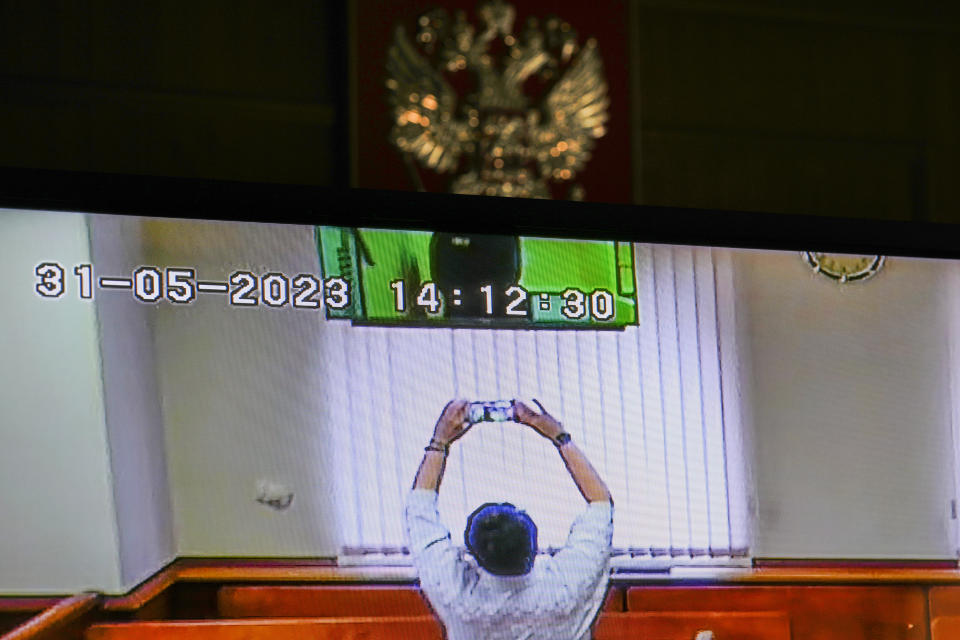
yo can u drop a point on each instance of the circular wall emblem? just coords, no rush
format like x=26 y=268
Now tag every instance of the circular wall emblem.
x=843 y=268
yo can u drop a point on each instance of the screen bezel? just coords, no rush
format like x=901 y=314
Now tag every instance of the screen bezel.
x=86 y=192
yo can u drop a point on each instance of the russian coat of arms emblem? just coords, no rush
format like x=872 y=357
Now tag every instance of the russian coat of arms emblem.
x=504 y=114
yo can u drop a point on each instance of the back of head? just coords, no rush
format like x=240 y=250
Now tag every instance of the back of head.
x=502 y=538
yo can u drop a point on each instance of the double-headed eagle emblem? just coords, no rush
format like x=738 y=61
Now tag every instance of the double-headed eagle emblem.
x=505 y=114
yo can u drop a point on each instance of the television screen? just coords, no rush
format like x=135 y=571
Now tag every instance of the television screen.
x=225 y=388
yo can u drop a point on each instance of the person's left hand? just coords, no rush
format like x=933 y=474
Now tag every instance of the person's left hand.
x=453 y=422
x=544 y=423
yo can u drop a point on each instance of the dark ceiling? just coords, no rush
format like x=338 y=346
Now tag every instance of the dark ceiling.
x=825 y=108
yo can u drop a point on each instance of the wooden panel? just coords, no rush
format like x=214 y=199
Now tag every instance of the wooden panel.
x=616 y=600
x=944 y=191
x=779 y=174
x=940 y=116
x=686 y=625
x=338 y=601
x=229 y=91
x=945 y=628
x=320 y=601
x=193 y=601
x=820 y=123
x=703 y=70
x=944 y=601
x=816 y=613
x=386 y=628
x=943 y=128
x=258 y=49
x=142 y=132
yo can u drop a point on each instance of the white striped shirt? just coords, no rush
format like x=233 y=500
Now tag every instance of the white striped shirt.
x=557 y=600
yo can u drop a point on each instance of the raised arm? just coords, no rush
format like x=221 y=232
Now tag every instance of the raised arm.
x=451 y=425
x=442 y=571
x=588 y=481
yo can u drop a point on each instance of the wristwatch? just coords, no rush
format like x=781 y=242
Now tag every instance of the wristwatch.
x=561 y=439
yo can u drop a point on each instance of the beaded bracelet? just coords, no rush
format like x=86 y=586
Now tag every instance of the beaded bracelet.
x=436 y=445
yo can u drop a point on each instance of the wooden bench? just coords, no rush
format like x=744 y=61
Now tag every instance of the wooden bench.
x=815 y=612
x=378 y=628
x=687 y=625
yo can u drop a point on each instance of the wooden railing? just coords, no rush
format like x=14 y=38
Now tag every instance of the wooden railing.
x=54 y=622
x=14 y=611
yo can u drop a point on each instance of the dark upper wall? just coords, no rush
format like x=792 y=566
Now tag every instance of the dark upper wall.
x=844 y=109
x=230 y=90
x=805 y=107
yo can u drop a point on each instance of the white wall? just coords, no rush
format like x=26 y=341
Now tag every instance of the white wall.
x=850 y=402
x=57 y=527
x=132 y=400
x=242 y=396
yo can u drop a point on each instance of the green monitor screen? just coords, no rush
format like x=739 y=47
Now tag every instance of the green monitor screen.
x=423 y=278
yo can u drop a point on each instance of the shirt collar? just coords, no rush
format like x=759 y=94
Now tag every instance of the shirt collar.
x=508 y=583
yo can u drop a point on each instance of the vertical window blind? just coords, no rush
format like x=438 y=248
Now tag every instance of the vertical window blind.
x=655 y=408
x=952 y=288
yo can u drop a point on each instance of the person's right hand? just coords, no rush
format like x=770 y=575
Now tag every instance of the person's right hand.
x=452 y=423
x=544 y=423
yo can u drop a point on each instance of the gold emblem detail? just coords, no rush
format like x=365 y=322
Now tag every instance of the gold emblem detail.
x=529 y=110
x=844 y=268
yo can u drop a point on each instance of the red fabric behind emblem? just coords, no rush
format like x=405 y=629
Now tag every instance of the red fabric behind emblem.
x=606 y=177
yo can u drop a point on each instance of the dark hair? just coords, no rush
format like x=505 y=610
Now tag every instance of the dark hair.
x=502 y=538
